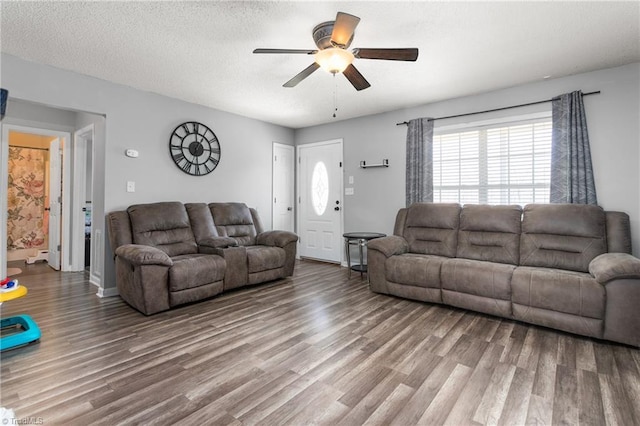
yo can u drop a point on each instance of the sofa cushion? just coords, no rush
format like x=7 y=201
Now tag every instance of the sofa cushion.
x=476 y=277
x=164 y=226
x=562 y=236
x=564 y=300
x=618 y=232
x=558 y=290
x=477 y=285
x=201 y=221
x=490 y=233
x=234 y=220
x=432 y=228
x=195 y=270
x=415 y=269
x=119 y=229
x=263 y=258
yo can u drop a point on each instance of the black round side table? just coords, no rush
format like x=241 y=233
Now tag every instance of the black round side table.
x=360 y=239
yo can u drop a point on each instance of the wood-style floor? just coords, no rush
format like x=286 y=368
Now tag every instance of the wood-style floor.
x=313 y=349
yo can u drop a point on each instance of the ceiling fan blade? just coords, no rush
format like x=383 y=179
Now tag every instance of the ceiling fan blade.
x=409 y=54
x=343 y=29
x=354 y=76
x=302 y=75
x=288 y=51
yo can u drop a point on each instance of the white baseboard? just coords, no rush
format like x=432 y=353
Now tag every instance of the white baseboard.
x=107 y=292
x=95 y=280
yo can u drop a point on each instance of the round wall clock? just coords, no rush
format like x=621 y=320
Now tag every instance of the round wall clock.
x=194 y=148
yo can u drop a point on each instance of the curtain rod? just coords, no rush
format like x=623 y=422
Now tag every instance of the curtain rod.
x=28 y=147
x=498 y=109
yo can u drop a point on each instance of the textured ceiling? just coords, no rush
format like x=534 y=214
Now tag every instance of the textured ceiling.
x=201 y=52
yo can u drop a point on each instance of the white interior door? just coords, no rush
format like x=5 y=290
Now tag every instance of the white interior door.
x=55 y=198
x=283 y=187
x=320 y=191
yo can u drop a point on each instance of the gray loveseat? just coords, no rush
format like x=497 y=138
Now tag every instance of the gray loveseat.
x=170 y=253
x=563 y=266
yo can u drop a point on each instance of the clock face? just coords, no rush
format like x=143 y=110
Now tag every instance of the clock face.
x=194 y=148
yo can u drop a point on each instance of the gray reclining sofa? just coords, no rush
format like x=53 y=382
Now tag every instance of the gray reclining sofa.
x=169 y=253
x=563 y=266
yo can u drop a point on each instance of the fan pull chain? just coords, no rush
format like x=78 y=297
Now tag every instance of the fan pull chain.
x=335 y=95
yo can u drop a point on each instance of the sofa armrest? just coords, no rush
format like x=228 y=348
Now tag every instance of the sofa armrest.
x=612 y=266
x=389 y=246
x=276 y=238
x=137 y=255
x=218 y=242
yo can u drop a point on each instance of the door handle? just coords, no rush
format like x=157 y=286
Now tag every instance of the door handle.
x=47 y=209
x=336 y=208
x=289 y=209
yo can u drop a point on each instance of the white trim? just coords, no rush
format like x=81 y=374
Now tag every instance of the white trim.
x=328 y=142
x=79 y=190
x=4 y=185
x=97 y=258
x=298 y=180
x=273 y=180
x=107 y=292
x=66 y=188
x=454 y=128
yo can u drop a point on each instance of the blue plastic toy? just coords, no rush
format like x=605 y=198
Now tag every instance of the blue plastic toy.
x=29 y=329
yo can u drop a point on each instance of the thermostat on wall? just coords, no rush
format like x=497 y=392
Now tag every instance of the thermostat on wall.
x=131 y=153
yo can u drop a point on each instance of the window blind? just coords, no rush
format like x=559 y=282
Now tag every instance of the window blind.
x=505 y=163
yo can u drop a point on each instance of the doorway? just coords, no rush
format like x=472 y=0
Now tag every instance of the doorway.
x=34 y=194
x=320 y=219
x=283 y=187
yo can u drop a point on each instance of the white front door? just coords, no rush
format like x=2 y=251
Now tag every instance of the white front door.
x=283 y=189
x=320 y=191
x=55 y=198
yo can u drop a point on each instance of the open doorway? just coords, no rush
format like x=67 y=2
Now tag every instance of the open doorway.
x=34 y=194
x=75 y=210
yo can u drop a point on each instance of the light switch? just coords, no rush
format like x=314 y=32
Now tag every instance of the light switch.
x=348 y=191
x=131 y=186
x=350 y=180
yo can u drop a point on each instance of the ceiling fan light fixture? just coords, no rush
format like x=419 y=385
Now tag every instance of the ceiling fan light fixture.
x=334 y=59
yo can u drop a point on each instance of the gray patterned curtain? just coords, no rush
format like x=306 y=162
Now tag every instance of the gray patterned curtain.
x=419 y=177
x=571 y=171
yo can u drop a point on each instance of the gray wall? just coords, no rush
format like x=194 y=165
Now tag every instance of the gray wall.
x=144 y=121
x=34 y=115
x=614 y=129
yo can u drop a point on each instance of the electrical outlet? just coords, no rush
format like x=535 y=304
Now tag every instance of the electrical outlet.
x=131 y=186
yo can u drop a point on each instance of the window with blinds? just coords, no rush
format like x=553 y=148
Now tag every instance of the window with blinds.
x=505 y=163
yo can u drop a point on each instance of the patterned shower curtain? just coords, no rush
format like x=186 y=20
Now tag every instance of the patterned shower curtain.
x=26 y=199
x=571 y=171
x=419 y=174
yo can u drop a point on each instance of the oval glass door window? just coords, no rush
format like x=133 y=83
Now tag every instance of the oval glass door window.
x=319 y=188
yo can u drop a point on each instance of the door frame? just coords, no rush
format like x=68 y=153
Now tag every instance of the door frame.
x=293 y=179
x=80 y=138
x=66 y=189
x=54 y=255
x=341 y=186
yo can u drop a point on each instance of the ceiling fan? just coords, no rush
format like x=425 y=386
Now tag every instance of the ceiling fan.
x=333 y=38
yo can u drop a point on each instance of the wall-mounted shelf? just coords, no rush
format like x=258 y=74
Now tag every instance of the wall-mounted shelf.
x=364 y=165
